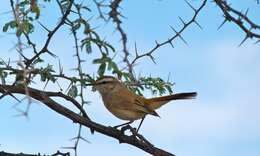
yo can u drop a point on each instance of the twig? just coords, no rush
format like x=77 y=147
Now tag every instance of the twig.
x=50 y=35
x=238 y=18
x=177 y=34
x=114 y=14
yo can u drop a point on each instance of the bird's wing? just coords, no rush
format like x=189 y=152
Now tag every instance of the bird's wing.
x=140 y=104
x=136 y=103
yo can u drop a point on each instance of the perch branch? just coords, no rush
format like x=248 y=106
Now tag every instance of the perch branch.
x=44 y=97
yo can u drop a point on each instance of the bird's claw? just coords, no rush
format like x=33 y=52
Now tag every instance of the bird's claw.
x=125 y=128
x=128 y=127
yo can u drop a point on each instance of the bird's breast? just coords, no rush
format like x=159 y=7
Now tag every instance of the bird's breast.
x=127 y=114
x=122 y=107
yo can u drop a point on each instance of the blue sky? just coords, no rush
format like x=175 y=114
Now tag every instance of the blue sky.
x=222 y=121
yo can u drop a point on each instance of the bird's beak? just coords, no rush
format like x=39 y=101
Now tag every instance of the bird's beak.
x=94 y=84
x=94 y=89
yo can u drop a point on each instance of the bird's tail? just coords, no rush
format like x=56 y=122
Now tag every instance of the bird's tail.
x=157 y=102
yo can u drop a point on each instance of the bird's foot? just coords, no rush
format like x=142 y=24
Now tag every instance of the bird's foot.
x=128 y=127
x=123 y=125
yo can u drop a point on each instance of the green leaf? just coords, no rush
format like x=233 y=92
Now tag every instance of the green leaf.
x=101 y=69
x=109 y=66
x=169 y=89
x=24 y=3
x=73 y=91
x=3 y=76
x=98 y=61
x=46 y=73
x=27 y=27
x=36 y=10
x=6 y=26
x=37 y=60
x=126 y=76
x=43 y=77
x=88 y=47
x=11 y=24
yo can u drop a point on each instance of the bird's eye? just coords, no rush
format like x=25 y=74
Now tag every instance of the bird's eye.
x=104 y=82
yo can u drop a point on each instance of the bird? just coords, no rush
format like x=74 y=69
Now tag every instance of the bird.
x=126 y=105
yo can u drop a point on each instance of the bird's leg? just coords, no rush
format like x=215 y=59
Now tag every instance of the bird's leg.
x=127 y=126
x=121 y=125
x=140 y=123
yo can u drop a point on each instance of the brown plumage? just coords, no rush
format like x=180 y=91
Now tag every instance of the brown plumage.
x=157 y=102
x=126 y=105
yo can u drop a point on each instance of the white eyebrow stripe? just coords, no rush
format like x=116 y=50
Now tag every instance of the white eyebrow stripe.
x=106 y=80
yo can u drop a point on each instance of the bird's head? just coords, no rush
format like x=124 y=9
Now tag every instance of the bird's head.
x=106 y=84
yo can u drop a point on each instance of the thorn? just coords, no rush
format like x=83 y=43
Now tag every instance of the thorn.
x=198 y=24
x=68 y=148
x=52 y=54
x=60 y=68
x=14 y=97
x=182 y=21
x=225 y=20
x=74 y=138
x=21 y=113
x=171 y=44
x=243 y=40
x=84 y=139
x=257 y=41
x=121 y=15
x=152 y=58
x=25 y=58
x=46 y=84
x=8 y=63
x=136 y=53
x=16 y=104
x=191 y=6
x=45 y=28
x=8 y=93
x=178 y=34
x=246 y=11
x=74 y=12
x=156 y=42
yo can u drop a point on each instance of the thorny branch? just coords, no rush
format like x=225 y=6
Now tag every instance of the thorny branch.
x=99 y=6
x=177 y=34
x=80 y=74
x=115 y=15
x=240 y=19
x=50 y=35
x=44 y=97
